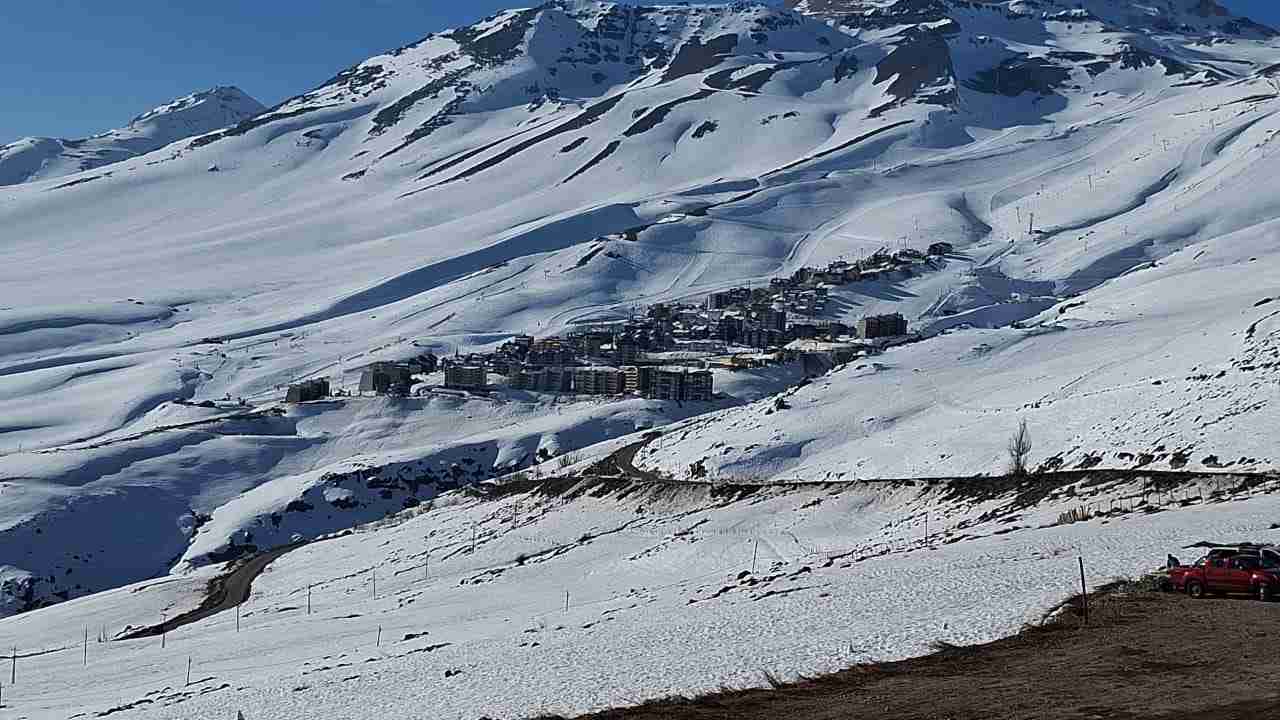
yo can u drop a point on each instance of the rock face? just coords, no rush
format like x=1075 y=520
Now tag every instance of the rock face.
x=42 y=158
x=926 y=34
x=1186 y=16
x=544 y=57
x=919 y=68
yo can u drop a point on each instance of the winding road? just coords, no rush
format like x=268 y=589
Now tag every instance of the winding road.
x=225 y=592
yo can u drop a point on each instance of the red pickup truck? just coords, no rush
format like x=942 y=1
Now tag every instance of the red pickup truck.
x=1226 y=570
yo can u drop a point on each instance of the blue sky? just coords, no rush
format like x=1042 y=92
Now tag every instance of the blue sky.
x=69 y=68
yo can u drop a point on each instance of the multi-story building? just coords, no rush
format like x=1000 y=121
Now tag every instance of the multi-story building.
x=698 y=386
x=761 y=338
x=681 y=385
x=385 y=378
x=771 y=318
x=599 y=381
x=549 y=379
x=639 y=379
x=878 y=326
x=550 y=356
x=625 y=350
x=466 y=377
x=501 y=364
x=834 y=330
x=803 y=331
x=307 y=391
x=525 y=379
x=590 y=342
x=558 y=379
x=425 y=363
x=719 y=301
x=729 y=328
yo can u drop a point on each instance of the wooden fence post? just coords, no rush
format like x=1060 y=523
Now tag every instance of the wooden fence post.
x=755 y=551
x=1084 y=592
x=188 y=671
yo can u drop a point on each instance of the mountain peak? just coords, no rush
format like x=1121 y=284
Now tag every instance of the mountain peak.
x=226 y=97
x=42 y=158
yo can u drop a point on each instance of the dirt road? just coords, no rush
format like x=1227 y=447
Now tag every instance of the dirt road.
x=225 y=592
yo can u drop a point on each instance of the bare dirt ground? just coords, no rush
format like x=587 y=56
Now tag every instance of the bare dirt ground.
x=1142 y=656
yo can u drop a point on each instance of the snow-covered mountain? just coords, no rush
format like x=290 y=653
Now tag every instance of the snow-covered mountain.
x=1097 y=170
x=43 y=158
x=1198 y=18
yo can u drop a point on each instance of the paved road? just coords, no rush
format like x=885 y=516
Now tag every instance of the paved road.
x=225 y=592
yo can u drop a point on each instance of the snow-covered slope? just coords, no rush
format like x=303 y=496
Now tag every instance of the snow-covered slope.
x=581 y=596
x=549 y=166
x=42 y=158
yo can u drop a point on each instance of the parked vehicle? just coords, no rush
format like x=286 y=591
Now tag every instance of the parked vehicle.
x=1252 y=570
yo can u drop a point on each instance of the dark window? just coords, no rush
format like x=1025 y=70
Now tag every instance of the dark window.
x=1245 y=563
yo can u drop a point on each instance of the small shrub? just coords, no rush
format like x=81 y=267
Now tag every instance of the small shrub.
x=1019 y=450
x=1074 y=515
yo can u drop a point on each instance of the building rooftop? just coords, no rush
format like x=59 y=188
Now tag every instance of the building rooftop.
x=821 y=346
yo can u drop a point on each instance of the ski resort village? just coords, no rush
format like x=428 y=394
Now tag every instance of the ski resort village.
x=667 y=351
x=817 y=359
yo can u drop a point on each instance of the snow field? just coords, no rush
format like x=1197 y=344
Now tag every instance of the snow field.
x=658 y=602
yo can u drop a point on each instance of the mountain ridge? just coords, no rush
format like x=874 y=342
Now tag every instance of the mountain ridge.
x=43 y=158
